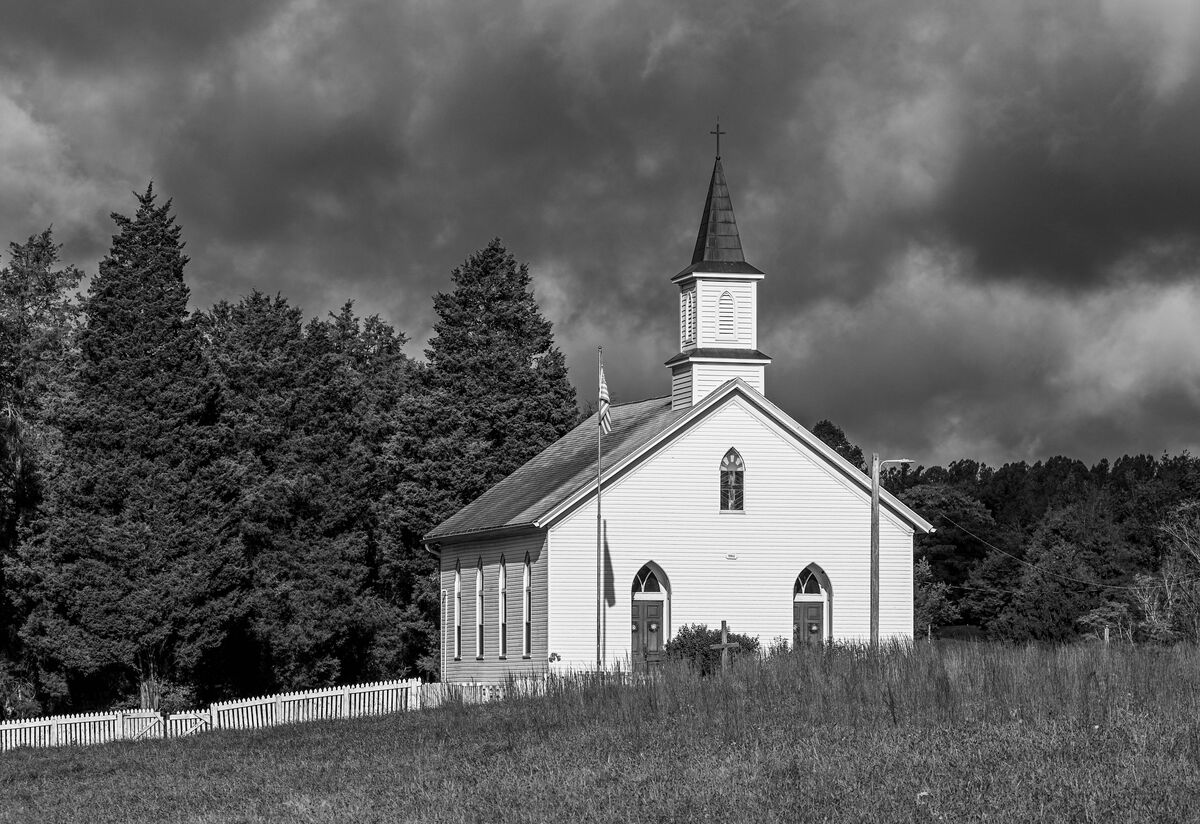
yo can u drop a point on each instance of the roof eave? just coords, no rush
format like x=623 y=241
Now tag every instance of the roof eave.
x=504 y=531
x=684 y=357
x=738 y=271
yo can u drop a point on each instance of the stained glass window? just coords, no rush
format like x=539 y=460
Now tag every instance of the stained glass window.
x=733 y=473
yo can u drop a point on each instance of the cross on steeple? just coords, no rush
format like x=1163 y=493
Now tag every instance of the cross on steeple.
x=718 y=133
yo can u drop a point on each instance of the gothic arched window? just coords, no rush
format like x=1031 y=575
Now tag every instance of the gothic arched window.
x=646 y=581
x=733 y=473
x=727 y=316
x=808 y=583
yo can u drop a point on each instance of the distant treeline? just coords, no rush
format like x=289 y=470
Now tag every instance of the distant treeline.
x=195 y=506
x=1056 y=550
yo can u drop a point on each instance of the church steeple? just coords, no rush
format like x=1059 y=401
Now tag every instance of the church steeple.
x=718 y=305
x=718 y=240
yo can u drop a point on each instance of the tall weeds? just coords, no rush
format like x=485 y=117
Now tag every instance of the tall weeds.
x=943 y=685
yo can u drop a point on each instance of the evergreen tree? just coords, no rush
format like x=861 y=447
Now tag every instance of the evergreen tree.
x=37 y=317
x=493 y=394
x=129 y=572
x=305 y=414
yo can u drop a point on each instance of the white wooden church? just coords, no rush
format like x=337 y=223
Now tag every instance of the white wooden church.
x=715 y=505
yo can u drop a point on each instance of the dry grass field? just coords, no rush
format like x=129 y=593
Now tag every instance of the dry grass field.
x=944 y=733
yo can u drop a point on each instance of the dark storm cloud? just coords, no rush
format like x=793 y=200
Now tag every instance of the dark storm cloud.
x=1034 y=155
x=86 y=36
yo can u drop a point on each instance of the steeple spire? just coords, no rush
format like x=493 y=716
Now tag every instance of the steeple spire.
x=718 y=240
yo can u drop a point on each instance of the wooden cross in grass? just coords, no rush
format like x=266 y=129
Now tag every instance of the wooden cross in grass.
x=725 y=646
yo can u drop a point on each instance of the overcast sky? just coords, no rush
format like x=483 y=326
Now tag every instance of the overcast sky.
x=979 y=220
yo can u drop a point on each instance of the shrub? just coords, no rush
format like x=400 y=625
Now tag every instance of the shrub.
x=693 y=644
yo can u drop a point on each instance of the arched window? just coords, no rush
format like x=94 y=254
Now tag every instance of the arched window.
x=503 y=612
x=808 y=583
x=457 y=610
x=527 y=610
x=727 y=317
x=479 y=609
x=733 y=473
x=646 y=581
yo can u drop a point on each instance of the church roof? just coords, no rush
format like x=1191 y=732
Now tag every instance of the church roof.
x=564 y=474
x=559 y=470
x=718 y=244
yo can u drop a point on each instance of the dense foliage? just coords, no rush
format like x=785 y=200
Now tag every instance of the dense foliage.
x=195 y=506
x=1056 y=550
x=693 y=644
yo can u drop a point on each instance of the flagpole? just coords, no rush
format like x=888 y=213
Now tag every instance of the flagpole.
x=599 y=587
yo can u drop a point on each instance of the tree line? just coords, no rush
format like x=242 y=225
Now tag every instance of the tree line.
x=221 y=503
x=1055 y=550
x=199 y=505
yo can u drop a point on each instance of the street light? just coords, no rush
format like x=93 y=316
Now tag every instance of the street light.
x=876 y=465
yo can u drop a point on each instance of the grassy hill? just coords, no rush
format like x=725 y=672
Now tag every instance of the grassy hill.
x=944 y=733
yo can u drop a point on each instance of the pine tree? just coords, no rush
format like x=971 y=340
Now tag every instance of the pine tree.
x=306 y=411
x=129 y=572
x=493 y=394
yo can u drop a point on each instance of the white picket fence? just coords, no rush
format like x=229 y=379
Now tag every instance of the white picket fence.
x=88 y=728
x=308 y=705
x=243 y=714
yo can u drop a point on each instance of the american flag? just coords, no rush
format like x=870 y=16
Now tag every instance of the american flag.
x=605 y=415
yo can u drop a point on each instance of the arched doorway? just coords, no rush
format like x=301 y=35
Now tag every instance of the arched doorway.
x=651 y=616
x=812 y=607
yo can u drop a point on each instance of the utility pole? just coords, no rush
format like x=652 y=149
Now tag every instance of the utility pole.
x=876 y=466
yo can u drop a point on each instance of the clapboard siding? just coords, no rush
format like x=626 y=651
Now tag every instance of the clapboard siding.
x=708 y=304
x=798 y=510
x=492 y=668
x=708 y=376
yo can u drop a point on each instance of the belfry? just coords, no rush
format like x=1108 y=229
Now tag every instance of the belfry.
x=718 y=307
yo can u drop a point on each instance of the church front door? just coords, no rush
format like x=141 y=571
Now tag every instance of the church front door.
x=647 y=645
x=808 y=618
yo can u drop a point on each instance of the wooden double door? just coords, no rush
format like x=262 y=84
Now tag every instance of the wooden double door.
x=808 y=622
x=646 y=645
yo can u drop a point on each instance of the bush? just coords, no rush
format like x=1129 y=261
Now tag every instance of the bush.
x=693 y=644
